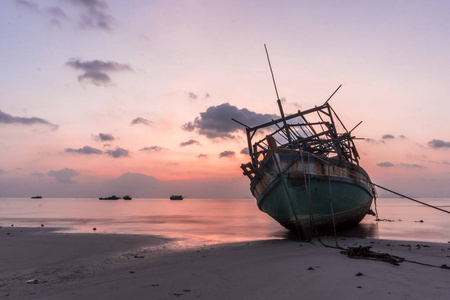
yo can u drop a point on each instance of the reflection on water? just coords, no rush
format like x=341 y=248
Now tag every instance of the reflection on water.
x=212 y=220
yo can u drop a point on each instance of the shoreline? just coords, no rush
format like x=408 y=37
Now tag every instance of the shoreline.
x=113 y=266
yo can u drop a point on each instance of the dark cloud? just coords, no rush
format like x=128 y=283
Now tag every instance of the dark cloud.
x=412 y=166
x=402 y=165
x=84 y=150
x=188 y=143
x=202 y=156
x=37 y=174
x=244 y=151
x=28 y=5
x=2 y=171
x=119 y=152
x=57 y=13
x=438 y=144
x=96 y=78
x=104 y=137
x=370 y=140
x=388 y=137
x=373 y=141
x=96 y=71
x=385 y=164
x=57 y=16
x=94 y=14
x=192 y=96
x=8 y=119
x=152 y=149
x=216 y=121
x=227 y=154
x=64 y=175
x=140 y=120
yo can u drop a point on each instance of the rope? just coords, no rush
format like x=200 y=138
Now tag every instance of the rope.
x=381 y=187
x=423 y=203
x=311 y=217
x=364 y=252
x=299 y=230
x=308 y=192
x=331 y=206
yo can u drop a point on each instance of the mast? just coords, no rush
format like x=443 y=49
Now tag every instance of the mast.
x=280 y=107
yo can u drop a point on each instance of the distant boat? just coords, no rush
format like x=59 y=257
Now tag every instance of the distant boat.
x=36 y=197
x=176 y=197
x=113 y=197
x=127 y=197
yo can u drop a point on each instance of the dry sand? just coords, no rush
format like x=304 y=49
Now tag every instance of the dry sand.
x=40 y=264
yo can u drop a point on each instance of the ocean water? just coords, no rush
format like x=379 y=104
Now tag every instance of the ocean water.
x=213 y=220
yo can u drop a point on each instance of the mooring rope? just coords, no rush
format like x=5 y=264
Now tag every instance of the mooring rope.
x=331 y=206
x=381 y=187
x=409 y=198
x=297 y=228
x=308 y=191
x=350 y=251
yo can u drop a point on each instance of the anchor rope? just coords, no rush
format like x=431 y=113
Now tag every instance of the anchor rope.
x=381 y=187
x=367 y=253
x=298 y=230
x=331 y=206
x=308 y=192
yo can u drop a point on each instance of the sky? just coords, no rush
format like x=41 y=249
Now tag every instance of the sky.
x=136 y=97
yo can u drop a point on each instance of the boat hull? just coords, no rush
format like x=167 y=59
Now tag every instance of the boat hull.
x=317 y=196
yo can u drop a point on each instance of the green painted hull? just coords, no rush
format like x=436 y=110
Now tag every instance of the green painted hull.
x=332 y=200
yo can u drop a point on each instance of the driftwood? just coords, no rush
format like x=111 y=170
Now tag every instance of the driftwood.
x=365 y=253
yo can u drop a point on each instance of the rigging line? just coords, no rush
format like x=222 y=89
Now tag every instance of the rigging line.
x=299 y=230
x=291 y=129
x=321 y=126
x=308 y=191
x=282 y=133
x=308 y=194
x=331 y=207
x=409 y=198
x=381 y=187
x=375 y=196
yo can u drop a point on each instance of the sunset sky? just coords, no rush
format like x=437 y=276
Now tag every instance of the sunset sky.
x=136 y=97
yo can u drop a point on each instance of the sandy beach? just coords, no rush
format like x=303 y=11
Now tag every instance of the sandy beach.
x=37 y=263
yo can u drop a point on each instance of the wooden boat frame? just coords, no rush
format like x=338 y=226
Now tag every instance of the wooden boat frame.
x=298 y=159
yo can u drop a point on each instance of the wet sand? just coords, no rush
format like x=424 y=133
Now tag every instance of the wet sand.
x=37 y=263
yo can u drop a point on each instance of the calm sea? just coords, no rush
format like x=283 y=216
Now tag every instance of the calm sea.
x=213 y=220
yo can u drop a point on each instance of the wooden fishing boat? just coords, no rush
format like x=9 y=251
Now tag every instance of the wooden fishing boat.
x=304 y=171
x=306 y=175
x=176 y=197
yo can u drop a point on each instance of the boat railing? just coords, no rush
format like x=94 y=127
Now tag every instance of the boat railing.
x=319 y=137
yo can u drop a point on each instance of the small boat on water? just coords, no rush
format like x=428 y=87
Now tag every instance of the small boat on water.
x=127 y=197
x=304 y=171
x=36 y=197
x=113 y=197
x=176 y=197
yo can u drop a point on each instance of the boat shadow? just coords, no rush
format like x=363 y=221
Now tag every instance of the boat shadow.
x=362 y=230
